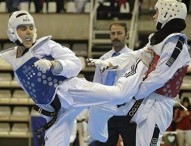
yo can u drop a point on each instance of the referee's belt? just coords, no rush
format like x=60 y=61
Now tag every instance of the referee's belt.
x=56 y=105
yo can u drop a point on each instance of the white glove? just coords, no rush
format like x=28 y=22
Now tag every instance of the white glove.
x=103 y=65
x=147 y=56
x=43 y=65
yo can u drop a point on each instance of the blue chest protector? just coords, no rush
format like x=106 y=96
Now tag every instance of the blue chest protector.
x=41 y=87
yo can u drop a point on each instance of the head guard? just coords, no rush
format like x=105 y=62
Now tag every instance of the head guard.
x=19 y=18
x=168 y=10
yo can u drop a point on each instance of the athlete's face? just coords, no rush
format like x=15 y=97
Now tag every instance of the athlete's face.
x=155 y=17
x=118 y=36
x=25 y=32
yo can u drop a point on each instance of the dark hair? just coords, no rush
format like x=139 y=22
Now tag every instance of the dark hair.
x=124 y=25
x=185 y=99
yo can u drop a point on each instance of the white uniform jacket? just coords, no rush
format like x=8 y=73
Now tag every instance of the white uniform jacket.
x=160 y=104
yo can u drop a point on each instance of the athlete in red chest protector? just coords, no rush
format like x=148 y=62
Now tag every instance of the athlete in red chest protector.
x=165 y=74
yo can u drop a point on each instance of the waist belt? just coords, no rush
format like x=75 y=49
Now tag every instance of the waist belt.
x=56 y=105
x=133 y=109
x=120 y=120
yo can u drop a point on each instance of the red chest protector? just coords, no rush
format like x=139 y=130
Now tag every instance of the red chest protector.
x=172 y=86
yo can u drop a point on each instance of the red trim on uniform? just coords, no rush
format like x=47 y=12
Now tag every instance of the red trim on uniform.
x=153 y=64
x=172 y=86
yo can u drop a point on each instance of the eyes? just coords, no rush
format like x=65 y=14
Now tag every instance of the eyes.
x=25 y=27
x=116 y=33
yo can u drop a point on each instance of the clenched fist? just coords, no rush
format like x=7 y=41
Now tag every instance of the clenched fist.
x=43 y=65
x=103 y=65
x=147 y=56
